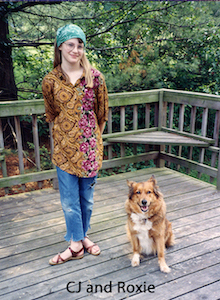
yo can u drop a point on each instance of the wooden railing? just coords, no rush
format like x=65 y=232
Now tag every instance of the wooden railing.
x=195 y=114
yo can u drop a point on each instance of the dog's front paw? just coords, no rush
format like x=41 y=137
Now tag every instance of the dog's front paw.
x=135 y=260
x=165 y=268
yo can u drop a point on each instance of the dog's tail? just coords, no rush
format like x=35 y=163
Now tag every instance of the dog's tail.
x=170 y=240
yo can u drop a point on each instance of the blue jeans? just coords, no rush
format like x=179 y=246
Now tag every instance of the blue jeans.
x=76 y=196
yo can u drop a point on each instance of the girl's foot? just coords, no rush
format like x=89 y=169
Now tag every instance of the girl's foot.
x=75 y=251
x=90 y=247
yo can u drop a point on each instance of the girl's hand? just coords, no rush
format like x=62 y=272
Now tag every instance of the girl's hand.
x=102 y=127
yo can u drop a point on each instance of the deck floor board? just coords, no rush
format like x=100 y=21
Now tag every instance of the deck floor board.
x=32 y=229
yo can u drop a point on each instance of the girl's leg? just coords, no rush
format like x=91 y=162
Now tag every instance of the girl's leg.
x=86 y=191
x=70 y=201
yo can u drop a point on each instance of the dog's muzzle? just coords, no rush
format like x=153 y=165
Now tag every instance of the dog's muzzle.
x=144 y=206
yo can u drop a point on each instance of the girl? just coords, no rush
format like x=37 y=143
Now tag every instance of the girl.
x=76 y=100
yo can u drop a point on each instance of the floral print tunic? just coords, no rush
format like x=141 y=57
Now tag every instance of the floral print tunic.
x=76 y=112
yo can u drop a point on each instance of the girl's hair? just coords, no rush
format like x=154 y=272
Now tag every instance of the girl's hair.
x=84 y=63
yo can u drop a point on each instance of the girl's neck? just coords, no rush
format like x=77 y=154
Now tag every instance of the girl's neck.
x=73 y=71
x=70 y=68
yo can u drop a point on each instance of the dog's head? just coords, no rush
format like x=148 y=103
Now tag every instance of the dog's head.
x=142 y=195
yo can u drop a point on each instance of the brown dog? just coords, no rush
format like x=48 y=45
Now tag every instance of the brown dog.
x=147 y=227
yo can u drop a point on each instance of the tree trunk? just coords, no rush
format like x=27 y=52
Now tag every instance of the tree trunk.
x=8 y=90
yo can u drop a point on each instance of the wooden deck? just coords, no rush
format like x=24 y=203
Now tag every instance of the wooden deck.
x=32 y=229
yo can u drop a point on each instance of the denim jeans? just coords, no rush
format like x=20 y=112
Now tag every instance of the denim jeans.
x=76 y=196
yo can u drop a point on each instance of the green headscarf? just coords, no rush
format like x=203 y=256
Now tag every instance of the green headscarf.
x=68 y=32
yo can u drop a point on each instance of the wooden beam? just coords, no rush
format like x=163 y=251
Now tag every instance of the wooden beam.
x=158 y=138
x=125 y=133
x=130 y=98
x=190 y=135
x=115 y=162
x=24 y=178
x=192 y=98
x=21 y=108
x=184 y=162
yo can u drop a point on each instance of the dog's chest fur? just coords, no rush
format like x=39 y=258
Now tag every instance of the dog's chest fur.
x=142 y=226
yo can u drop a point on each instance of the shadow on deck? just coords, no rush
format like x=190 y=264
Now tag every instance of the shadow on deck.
x=32 y=229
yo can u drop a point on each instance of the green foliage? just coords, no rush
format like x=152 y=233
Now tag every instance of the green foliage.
x=136 y=44
x=30 y=67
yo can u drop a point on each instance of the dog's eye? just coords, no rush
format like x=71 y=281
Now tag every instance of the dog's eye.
x=148 y=192
x=138 y=192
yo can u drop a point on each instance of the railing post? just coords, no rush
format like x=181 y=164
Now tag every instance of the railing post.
x=135 y=125
x=36 y=141
x=192 y=129
x=218 y=173
x=162 y=112
x=203 y=132
x=109 y=147
x=36 y=146
x=122 y=128
x=147 y=115
x=4 y=169
x=110 y=131
x=147 y=124
x=216 y=137
x=20 y=148
x=170 y=125
x=3 y=162
x=19 y=144
x=181 y=125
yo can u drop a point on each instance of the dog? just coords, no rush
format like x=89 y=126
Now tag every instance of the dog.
x=148 y=229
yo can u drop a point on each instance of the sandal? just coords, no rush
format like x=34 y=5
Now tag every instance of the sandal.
x=60 y=260
x=89 y=250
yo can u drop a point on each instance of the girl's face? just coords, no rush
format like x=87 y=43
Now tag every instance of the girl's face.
x=72 y=51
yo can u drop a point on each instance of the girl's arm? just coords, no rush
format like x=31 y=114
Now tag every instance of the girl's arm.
x=101 y=109
x=50 y=110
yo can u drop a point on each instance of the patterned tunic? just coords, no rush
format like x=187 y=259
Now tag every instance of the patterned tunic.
x=76 y=112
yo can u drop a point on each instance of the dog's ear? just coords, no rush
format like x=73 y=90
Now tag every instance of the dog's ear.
x=153 y=179
x=130 y=183
x=155 y=187
x=131 y=189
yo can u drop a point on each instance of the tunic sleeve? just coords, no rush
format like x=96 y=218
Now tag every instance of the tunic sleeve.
x=102 y=101
x=47 y=89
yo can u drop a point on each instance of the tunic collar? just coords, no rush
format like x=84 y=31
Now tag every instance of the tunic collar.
x=63 y=76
